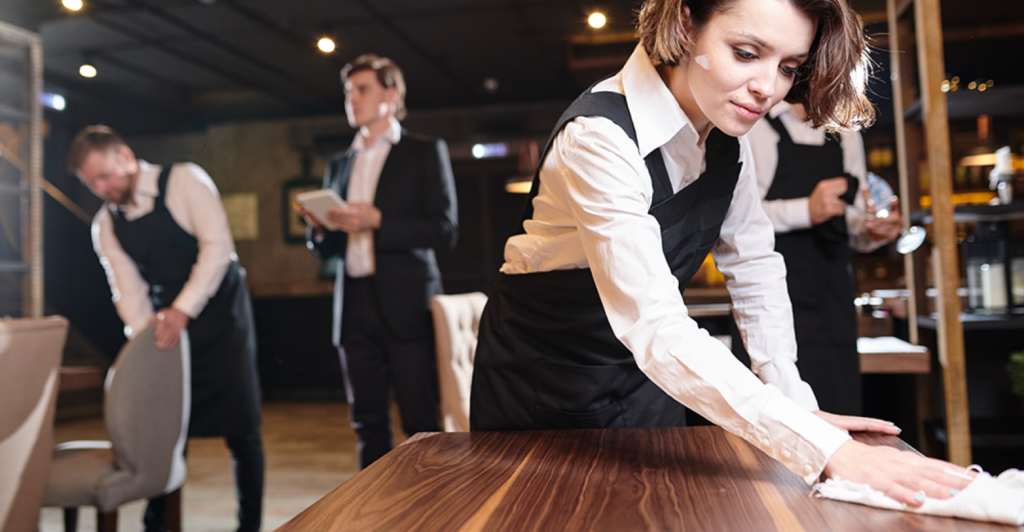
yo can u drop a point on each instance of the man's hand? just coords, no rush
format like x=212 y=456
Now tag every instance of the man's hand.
x=318 y=228
x=885 y=229
x=859 y=424
x=824 y=202
x=905 y=476
x=355 y=217
x=169 y=324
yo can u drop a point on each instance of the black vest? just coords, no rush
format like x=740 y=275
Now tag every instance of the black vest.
x=547 y=357
x=225 y=391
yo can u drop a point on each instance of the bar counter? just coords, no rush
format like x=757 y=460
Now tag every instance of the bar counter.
x=616 y=480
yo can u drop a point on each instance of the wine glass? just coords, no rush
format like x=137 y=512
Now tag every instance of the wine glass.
x=881 y=199
x=881 y=196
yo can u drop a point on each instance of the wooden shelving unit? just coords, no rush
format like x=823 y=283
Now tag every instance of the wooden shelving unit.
x=28 y=163
x=915 y=30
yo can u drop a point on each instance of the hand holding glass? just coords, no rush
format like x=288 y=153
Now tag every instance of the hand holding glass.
x=880 y=201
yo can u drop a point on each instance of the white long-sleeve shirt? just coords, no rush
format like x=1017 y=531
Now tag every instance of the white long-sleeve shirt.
x=591 y=211
x=194 y=203
x=362 y=187
x=793 y=214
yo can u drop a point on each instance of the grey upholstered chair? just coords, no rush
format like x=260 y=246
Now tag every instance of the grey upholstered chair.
x=146 y=410
x=456 y=324
x=31 y=350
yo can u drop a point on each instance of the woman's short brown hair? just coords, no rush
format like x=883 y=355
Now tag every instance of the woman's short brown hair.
x=831 y=82
x=92 y=138
x=388 y=74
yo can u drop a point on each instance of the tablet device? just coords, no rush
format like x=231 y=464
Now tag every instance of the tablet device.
x=318 y=202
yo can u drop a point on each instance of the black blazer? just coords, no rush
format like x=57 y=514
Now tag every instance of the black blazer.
x=419 y=213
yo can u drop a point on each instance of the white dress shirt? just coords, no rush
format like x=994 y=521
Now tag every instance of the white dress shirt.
x=793 y=214
x=362 y=187
x=194 y=203
x=592 y=211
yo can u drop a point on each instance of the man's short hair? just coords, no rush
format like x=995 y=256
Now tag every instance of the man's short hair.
x=92 y=138
x=388 y=74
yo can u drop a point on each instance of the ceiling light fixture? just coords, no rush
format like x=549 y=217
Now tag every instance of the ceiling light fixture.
x=73 y=5
x=52 y=100
x=326 y=45
x=87 y=70
x=491 y=85
x=597 y=20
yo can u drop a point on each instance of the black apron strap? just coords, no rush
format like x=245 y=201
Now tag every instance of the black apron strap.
x=610 y=105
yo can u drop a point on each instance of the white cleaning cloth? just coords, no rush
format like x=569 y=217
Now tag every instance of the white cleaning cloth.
x=986 y=498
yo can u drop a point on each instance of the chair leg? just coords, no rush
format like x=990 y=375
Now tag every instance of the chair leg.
x=106 y=522
x=174 y=510
x=70 y=519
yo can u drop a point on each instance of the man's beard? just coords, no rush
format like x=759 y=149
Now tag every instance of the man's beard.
x=125 y=196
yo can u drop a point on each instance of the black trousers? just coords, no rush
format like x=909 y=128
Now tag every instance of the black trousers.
x=373 y=361
x=247 y=461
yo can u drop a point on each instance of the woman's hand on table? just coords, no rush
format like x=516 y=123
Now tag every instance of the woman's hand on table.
x=904 y=476
x=859 y=424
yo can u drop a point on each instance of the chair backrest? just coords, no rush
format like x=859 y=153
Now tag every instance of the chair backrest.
x=147 y=411
x=31 y=350
x=456 y=324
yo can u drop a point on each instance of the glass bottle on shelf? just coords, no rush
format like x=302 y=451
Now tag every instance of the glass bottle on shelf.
x=1017 y=270
x=985 y=262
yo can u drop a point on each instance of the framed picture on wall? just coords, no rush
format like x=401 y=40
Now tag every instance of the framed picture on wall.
x=294 y=223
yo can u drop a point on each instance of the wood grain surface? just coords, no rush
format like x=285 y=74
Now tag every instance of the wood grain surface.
x=621 y=480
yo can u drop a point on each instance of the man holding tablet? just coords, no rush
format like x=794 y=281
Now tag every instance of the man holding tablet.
x=399 y=205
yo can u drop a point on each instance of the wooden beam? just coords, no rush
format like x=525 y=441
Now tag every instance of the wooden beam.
x=1013 y=29
x=36 y=302
x=895 y=53
x=951 y=333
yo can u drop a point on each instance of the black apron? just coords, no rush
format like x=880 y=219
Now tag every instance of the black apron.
x=546 y=355
x=819 y=276
x=225 y=390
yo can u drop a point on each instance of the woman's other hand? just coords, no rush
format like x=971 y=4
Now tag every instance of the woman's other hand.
x=859 y=424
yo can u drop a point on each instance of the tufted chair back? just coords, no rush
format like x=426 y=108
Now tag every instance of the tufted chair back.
x=456 y=323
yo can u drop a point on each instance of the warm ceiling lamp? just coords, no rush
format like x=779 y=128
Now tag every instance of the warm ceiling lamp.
x=87 y=70
x=326 y=45
x=73 y=5
x=597 y=20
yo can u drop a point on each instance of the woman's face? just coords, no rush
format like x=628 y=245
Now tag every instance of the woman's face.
x=742 y=63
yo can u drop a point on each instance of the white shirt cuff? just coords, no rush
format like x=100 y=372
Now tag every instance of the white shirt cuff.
x=807 y=441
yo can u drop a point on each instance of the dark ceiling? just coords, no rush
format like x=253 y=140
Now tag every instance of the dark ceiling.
x=174 y=64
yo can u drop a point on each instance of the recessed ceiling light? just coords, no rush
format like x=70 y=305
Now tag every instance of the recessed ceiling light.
x=87 y=70
x=73 y=5
x=326 y=45
x=597 y=20
x=491 y=85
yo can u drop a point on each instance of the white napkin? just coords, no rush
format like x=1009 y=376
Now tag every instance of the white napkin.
x=986 y=498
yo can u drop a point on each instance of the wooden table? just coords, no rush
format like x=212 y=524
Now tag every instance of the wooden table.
x=892 y=355
x=617 y=480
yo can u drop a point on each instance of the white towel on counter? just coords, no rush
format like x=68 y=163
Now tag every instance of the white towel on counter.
x=987 y=498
